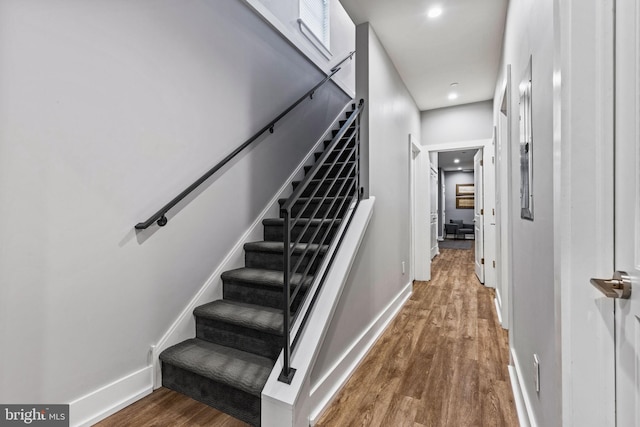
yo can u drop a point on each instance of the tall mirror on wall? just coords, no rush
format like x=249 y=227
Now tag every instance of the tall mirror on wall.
x=526 y=146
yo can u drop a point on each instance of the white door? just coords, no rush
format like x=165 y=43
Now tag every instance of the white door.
x=443 y=213
x=478 y=212
x=434 y=213
x=627 y=211
x=503 y=190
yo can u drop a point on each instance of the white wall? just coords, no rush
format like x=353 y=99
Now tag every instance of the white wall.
x=533 y=330
x=458 y=123
x=376 y=279
x=108 y=110
x=451 y=179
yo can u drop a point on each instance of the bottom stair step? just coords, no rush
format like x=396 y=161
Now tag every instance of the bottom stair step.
x=225 y=378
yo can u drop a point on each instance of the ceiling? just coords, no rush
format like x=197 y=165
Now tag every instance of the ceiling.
x=446 y=160
x=462 y=45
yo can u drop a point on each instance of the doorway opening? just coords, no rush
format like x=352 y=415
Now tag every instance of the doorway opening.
x=455 y=197
x=472 y=197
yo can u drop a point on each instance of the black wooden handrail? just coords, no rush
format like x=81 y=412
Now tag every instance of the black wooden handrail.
x=160 y=217
x=341 y=181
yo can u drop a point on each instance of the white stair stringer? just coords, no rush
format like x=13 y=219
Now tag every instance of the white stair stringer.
x=287 y=405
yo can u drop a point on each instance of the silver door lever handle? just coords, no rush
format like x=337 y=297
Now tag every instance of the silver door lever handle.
x=618 y=287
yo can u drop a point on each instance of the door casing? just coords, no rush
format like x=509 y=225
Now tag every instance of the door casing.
x=488 y=178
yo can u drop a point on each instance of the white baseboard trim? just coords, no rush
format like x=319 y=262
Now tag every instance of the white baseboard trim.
x=184 y=326
x=498 y=310
x=521 y=396
x=330 y=384
x=523 y=419
x=108 y=400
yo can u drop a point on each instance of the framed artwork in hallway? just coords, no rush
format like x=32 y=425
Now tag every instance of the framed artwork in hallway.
x=526 y=145
x=465 y=190
x=465 y=202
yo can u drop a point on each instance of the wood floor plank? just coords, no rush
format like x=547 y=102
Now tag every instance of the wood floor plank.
x=439 y=386
x=414 y=379
x=401 y=411
x=464 y=400
x=485 y=306
x=492 y=363
x=167 y=408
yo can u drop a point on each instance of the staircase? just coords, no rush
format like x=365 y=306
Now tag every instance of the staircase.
x=239 y=337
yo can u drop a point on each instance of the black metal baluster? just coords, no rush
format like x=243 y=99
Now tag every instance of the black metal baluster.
x=287 y=371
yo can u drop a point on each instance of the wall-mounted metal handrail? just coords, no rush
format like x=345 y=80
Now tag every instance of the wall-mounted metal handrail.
x=160 y=216
x=341 y=190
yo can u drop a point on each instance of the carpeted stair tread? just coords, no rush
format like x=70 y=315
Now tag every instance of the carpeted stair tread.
x=278 y=247
x=300 y=221
x=260 y=276
x=343 y=166
x=301 y=200
x=305 y=207
x=244 y=371
x=251 y=316
x=318 y=181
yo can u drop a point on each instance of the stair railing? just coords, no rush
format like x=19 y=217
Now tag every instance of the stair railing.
x=337 y=177
x=160 y=216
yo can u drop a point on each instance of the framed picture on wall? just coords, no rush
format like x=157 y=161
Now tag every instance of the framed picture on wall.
x=465 y=190
x=465 y=202
x=526 y=146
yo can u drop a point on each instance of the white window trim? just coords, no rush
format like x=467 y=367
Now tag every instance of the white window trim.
x=324 y=48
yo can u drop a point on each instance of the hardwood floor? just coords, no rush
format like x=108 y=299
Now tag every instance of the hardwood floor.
x=166 y=408
x=442 y=362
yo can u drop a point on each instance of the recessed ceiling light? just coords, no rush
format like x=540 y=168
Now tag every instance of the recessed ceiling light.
x=453 y=96
x=459 y=169
x=456 y=160
x=434 y=12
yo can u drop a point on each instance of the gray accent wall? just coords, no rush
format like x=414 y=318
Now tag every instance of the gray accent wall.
x=110 y=109
x=450 y=181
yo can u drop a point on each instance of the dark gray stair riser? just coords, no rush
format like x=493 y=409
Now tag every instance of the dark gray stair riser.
x=344 y=141
x=327 y=205
x=239 y=337
x=334 y=170
x=317 y=188
x=347 y=133
x=232 y=401
x=275 y=233
x=342 y=157
x=274 y=260
x=250 y=293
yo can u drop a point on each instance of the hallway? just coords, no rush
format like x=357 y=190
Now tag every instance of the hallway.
x=441 y=362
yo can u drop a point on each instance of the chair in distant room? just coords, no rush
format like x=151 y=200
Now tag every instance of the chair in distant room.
x=463 y=230
x=451 y=229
